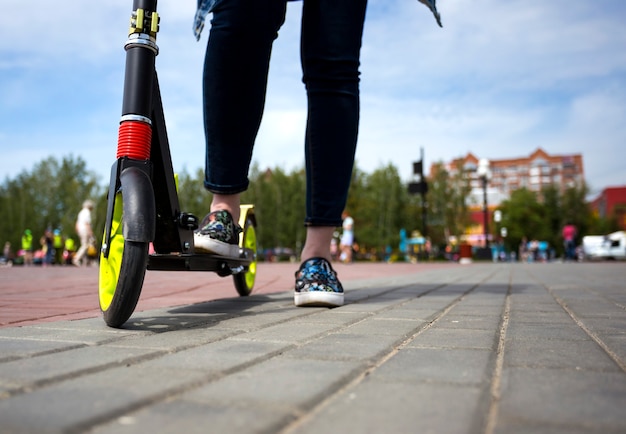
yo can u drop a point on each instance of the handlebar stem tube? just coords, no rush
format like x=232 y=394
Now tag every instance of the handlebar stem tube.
x=135 y=132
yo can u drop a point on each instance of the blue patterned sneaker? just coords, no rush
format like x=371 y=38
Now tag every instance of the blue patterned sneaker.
x=218 y=234
x=317 y=284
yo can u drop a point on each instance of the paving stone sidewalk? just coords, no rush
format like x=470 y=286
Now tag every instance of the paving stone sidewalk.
x=481 y=348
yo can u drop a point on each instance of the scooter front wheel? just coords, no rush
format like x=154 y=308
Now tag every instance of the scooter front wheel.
x=122 y=272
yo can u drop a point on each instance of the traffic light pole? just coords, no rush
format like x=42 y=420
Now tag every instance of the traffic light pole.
x=421 y=188
x=423 y=192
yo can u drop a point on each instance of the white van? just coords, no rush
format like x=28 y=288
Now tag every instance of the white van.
x=611 y=246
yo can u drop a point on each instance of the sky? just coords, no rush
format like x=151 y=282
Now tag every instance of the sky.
x=500 y=79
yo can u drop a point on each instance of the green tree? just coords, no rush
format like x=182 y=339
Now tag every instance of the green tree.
x=377 y=203
x=576 y=210
x=602 y=225
x=550 y=198
x=192 y=196
x=523 y=216
x=51 y=196
x=48 y=197
x=279 y=200
x=447 y=203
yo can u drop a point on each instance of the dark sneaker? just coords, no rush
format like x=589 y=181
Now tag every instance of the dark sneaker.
x=317 y=284
x=218 y=234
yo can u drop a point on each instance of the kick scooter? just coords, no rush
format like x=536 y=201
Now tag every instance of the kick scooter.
x=142 y=204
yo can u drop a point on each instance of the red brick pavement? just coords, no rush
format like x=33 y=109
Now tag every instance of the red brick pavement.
x=31 y=295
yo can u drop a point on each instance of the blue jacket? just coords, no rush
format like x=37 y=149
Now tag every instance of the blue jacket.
x=206 y=6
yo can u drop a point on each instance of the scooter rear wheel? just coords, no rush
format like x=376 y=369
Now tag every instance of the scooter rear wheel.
x=244 y=281
x=122 y=272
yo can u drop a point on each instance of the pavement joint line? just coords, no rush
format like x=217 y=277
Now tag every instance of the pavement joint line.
x=197 y=383
x=563 y=304
x=269 y=283
x=320 y=406
x=181 y=389
x=521 y=387
x=18 y=323
x=169 y=294
x=132 y=361
x=120 y=340
x=40 y=384
x=399 y=288
x=615 y=302
x=496 y=378
x=161 y=396
x=213 y=377
x=589 y=332
x=41 y=353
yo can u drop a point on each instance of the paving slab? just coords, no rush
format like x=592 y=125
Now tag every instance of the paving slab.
x=428 y=348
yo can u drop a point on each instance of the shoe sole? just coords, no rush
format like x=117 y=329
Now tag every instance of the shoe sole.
x=202 y=245
x=318 y=298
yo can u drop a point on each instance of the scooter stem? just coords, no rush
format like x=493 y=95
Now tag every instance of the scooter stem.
x=135 y=131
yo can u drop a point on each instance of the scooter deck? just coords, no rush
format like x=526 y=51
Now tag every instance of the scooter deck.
x=222 y=265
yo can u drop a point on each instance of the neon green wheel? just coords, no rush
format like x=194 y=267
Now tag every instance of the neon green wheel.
x=122 y=272
x=244 y=282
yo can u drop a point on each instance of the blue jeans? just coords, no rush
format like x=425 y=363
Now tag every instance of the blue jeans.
x=235 y=80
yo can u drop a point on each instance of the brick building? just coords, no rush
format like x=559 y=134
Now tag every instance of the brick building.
x=611 y=203
x=534 y=172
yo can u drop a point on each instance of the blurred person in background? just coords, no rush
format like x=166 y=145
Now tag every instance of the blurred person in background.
x=27 y=247
x=84 y=231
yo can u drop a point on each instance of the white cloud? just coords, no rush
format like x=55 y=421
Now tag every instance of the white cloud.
x=499 y=80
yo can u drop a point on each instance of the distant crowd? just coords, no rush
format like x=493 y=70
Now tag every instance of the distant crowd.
x=54 y=247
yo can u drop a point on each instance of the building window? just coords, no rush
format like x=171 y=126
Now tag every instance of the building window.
x=568 y=162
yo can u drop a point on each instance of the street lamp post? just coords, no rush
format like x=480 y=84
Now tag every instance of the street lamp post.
x=484 y=173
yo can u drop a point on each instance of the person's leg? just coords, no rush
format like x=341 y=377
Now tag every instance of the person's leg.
x=570 y=250
x=331 y=43
x=317 y=243
x=84 y=245
x=234 y=87
x=330 y=52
